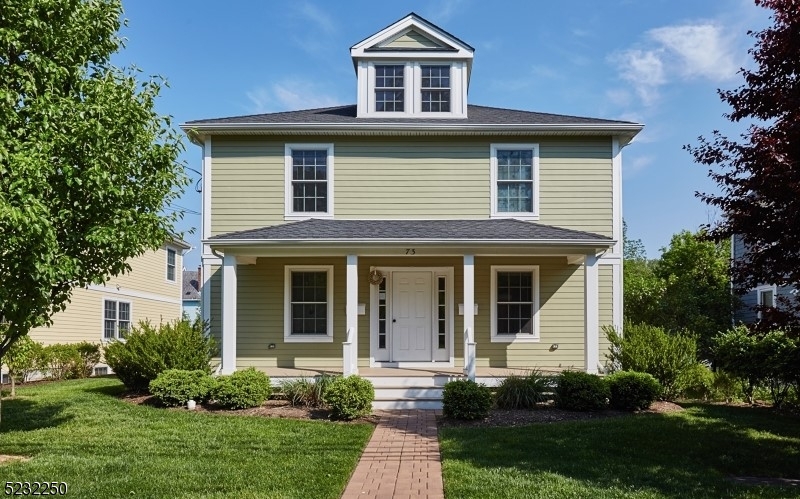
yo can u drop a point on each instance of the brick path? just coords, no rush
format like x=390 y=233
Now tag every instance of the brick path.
x=401 y=459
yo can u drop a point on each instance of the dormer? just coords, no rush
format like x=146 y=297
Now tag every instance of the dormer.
x=412 y=69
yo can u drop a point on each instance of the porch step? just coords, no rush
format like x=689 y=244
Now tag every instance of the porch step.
x=408 y=392
x=406 y=403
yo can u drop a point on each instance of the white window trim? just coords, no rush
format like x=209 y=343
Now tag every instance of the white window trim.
x=493 y=179
x=518 y=338
x=289 y=213
x=761 y=289
x=166 y=265
x=103 y=300
x=287 y=304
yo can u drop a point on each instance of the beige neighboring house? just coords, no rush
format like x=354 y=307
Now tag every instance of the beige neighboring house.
x=412 y=237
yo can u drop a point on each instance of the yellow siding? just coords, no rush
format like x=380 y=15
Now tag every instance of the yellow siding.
x=606 y=308
x=149 y=274
x=412 y=40
x=399 y=179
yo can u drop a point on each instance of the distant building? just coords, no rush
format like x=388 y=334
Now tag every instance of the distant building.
x=191 y=293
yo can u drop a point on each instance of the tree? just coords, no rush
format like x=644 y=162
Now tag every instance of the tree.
x=642 y=290
x=86 y=164
x=759 y=175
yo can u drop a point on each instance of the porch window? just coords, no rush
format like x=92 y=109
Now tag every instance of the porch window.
x=309 y=186
x=515 y=181
x=515 y=303
x=308 y=304
x=116 y=319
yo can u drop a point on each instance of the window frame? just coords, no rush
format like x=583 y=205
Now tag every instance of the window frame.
x=289 y=213
x=423 y=89
x=174 y=265
x=761 y=289
x=515 y=338
x=288 y=337
x=116 y=301
x=376 y=88
x=493 y=175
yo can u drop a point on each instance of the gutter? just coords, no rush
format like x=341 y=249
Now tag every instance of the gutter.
x=426 y=242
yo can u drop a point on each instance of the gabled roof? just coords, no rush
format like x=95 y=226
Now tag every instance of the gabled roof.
x=454 y=231
x=407 y=23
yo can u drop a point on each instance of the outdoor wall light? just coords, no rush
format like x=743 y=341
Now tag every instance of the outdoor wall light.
x=271 y=346
x=554 y=347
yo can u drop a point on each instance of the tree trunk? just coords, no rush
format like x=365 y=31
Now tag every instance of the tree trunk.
x=13 y=388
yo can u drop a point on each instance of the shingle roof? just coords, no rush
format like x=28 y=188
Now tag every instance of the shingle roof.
x=477 y=115
x=412 y=230
x=191 y=285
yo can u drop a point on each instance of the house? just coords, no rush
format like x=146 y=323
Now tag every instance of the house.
x=767 y=295
x=191 y=293
x=412 y=237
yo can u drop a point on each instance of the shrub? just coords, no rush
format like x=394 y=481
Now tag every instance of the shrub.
x=521 y=392
x=148 y=351
x=698 y=382
x=350 y=397
x=175 y=387
x=242 y=389
x=648 y=349
x=465 y=399
x=60 y=361
x=579 y=391
x=632 y=391
x=309 y=393
x=89 y=354
x=21 y=360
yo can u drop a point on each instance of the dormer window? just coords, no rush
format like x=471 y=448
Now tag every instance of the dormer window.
x=435 y=87
x=389 y=88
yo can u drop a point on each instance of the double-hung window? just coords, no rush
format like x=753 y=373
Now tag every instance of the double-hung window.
x=389 y=88
x=766 y=297
x=309 y=181
x=308 y=312
x=435 y=89
x=515 y=303
x=171 y=255
x=116 y=319
x=515 y=181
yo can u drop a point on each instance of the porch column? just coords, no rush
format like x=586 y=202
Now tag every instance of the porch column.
x=591 y=293
x=469 y=316
x=228 y=314
x=350 y=347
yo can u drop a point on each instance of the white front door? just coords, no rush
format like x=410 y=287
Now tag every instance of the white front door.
x=411 y=324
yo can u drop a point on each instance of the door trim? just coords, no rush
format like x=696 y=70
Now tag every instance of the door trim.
x=449 y=274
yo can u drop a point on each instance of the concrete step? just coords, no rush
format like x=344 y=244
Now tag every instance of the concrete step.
x=406 y=403
x=410 y=381
x=408 y=392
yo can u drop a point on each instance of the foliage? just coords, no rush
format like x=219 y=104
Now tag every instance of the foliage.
x=61 y=361
x=305 y=392
x=350 y=397
x=668 y=357
x=759 y=175
x=242 y=389
x=175 y=387
x=699 y=383
x=20 y=360
x=89 y=354
x=87 y=166
x=466 y=399
x=579 y=391
x=522 y=392
x=632 y=391
x=148 y=351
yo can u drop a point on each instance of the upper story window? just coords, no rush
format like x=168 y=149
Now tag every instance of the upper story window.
x=171 y=264
x=515 y=181
x=309 y=186
x=435 y=89
x=389 y=88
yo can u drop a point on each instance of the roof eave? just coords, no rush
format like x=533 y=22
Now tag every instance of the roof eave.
x=589 y=243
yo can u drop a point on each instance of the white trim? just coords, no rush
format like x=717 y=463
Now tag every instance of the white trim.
x=229 y=311
x=289 y=213
x=205 y=228
x=761 y=289
x=591 y=293
x=518 y=338
x=103 y=300
x=102 y=288
x=534 y=215
x=167 y=249
x=617 y=296
x=351 y=310
x=287 y=304
x=616 y=195
x=411 y=21
x=205 y=293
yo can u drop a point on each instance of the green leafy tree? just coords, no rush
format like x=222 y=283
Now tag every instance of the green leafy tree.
x=86 y=164
x=642 y=289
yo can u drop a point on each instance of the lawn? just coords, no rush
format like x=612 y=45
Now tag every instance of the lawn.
x=684 y=454
x=78 y=432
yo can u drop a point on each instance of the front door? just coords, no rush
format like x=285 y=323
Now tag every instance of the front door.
x=411 y=317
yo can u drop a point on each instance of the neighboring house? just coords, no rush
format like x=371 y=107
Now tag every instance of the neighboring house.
x=413 y=236
x=768 y=295
x=191 y=293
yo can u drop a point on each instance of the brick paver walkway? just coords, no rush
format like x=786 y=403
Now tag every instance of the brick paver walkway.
x=401 y=459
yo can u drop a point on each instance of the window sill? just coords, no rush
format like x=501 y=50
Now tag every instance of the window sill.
x=515 y=339
x=292 y=217
x=517 y=216
x=308 y=339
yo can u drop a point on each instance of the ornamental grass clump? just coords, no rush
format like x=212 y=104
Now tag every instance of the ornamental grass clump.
x=522 y=392
x=307 y=392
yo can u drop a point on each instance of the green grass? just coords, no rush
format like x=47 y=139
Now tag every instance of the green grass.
x=78 y=432
x=686 y=454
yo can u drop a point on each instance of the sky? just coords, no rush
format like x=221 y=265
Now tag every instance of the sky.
x=656 y=62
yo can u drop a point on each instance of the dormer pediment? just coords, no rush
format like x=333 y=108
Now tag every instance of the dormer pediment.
x=412 y=68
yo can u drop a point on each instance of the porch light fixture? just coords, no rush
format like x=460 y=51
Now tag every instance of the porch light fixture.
x=375 y=277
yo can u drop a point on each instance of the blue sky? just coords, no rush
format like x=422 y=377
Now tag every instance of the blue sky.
x=657 y=62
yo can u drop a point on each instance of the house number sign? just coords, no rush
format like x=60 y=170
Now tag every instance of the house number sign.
x=411 y=251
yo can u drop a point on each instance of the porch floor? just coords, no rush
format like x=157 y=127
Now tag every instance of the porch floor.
x=417 y=372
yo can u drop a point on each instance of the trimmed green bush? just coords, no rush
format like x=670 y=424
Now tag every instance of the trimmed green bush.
x=579 y=391
x=60 y=361
x=242 y=389
x=632 y=391
x=148 y=351
x=465 y=399
x=305 y=392
x=350 y=397
x=175 y=387
x=522 y=392
x=89 y=354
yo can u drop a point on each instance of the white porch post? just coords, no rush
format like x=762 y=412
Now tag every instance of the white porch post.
x=591 y=313
x=469 y=316
x=350 y=347
x=228 y=314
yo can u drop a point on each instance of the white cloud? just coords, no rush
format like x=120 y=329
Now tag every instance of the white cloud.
x=320 y=18
x=637 y=164
x=289 y=95
x=444 y=10
x=644 y=69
